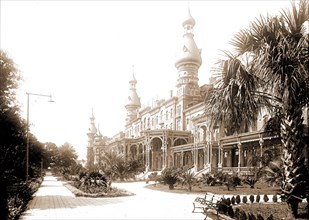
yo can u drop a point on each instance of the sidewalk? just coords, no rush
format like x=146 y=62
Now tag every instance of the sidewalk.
x=54 y=201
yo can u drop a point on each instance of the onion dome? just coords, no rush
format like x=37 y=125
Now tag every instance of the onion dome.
x=92 y=128
x=189 y=21
x=133 y=99
x=189 y=52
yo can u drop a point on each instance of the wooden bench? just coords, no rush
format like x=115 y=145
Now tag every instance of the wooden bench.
x=209 y=201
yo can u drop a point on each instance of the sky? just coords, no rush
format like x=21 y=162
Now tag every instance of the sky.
x=84 y=53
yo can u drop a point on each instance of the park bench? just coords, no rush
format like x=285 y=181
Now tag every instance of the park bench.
x=209 y=201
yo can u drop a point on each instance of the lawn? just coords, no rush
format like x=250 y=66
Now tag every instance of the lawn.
x=199 y=188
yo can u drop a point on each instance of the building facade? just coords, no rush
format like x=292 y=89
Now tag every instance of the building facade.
x=176 y=132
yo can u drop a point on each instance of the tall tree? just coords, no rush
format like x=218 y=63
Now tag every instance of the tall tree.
x=51 y=150
x=12 y=130
x=270 y=68
x=65 y=159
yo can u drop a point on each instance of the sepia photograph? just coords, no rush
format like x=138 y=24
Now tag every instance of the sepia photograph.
x=154 y=109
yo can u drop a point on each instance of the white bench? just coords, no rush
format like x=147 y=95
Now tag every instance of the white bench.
x=209 y=201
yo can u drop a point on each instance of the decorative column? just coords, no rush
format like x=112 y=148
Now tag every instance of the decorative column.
x=205 y=156
x=151 y=157
x=195 y=151
x=209 y=150
x=164 y=151
x=209 y=156
x=240 y=156
x=220 y=155
x=181 y=158
x=147 y=158
x=147 y=146
x=261 y=142
x=129 y=154
x=144 y=153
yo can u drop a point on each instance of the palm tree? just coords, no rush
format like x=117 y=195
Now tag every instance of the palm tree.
x=269 y=68
x=187 y=178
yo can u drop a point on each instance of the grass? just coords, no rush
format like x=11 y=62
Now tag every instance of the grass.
x=199 y=188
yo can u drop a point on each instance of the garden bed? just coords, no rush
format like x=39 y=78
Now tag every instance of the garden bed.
x=278 y=211
x=113 y=192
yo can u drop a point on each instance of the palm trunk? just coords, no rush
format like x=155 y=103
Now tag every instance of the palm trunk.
x=293 y=160
x=171 y=186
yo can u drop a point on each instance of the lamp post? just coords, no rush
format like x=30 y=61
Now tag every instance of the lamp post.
x=27 y=148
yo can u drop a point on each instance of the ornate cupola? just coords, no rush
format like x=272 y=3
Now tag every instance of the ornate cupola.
x=133 y=102
x=92 y=129
x=188 y=61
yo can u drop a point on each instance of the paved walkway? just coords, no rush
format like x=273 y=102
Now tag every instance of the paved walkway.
x=54 y=201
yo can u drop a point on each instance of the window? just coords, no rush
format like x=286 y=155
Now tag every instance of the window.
x=178 y=110
x=178 y=124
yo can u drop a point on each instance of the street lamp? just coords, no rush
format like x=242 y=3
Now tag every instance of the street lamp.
x=27 y=148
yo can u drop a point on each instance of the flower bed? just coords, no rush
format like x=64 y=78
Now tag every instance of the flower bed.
x=113 y=192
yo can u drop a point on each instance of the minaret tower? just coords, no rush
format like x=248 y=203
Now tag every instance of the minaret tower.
x=133 y=102
x=90 y=148
x=188 y=62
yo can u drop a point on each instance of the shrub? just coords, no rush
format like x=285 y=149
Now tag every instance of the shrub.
x=228 y=201
x=230 y=211
x=19 y=195
x=233 y=200
x=237 y=213
x=251 y=181
x=93 y=182
x=232 y=181
x=220 y=178
x=208 y=179
x=170 y=176
x=244 y=199
x=187 y=178
x=259 y=217
x=270 y=217
x=251 y=216
x=222 y=206
x=265 y=198
x=275 y=198
x=237 y=199
x=242 y=215
x=82 y=174
x=251 y=198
